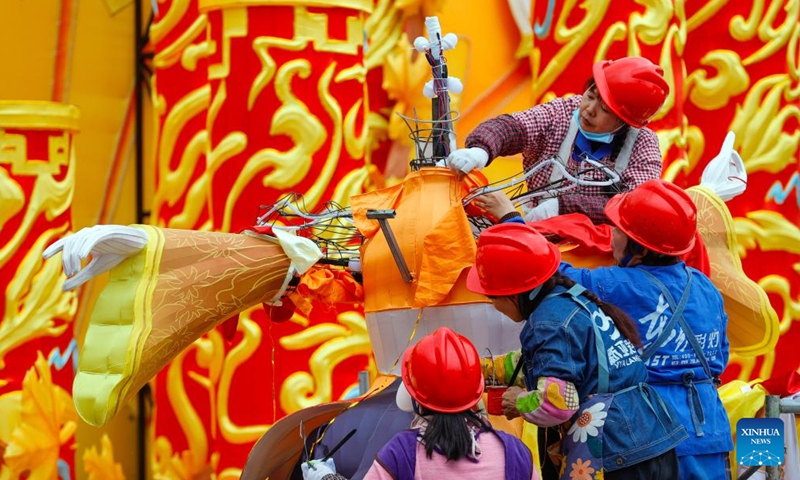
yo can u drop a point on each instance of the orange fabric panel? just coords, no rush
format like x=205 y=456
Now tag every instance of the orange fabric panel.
x=433 y=234
x=327 y=286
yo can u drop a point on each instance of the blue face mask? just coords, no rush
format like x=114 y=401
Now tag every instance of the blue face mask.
x=595 y=137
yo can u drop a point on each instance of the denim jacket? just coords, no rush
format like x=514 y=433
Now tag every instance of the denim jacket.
x=631 y=290
x=559 y=340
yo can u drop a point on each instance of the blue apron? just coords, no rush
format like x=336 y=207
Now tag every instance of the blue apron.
x=688 y=379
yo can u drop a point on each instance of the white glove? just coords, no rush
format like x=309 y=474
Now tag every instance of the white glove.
x=109 y=245
x=468 y=159
x=546 y=209
x=316 y=469
x=725 y=174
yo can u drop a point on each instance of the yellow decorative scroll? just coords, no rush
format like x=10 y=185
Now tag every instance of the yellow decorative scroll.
x=35 y=305
x=715 y=92
x=335 y=343
x=572 y=38
x=763 y=123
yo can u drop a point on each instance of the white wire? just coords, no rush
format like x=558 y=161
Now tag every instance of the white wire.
x=313 y=218
x=502 y=186
x=613 y=177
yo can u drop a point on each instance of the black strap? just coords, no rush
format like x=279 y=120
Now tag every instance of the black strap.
x=516 y=370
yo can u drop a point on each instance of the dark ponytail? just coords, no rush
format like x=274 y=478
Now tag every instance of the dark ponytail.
x=449 y=434
x=623 y=322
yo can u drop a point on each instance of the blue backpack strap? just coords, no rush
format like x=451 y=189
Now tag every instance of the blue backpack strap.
x=399 y=456
x=677 y=312
x=574 y=293
x=519 y=461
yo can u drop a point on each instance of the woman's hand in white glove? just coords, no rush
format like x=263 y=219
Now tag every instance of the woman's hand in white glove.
x=317 y=469
x=108 y=245
x=466 y=160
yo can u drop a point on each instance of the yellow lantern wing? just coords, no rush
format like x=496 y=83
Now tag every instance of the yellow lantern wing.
x=159 y=301
x=752 y=322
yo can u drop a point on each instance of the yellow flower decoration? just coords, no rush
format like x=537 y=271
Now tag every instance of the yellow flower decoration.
x=101 y=466
x=47 y=421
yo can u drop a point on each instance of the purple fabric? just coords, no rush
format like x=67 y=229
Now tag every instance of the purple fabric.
x=399 y=456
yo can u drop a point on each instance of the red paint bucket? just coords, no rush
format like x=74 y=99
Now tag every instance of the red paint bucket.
x=494 y=400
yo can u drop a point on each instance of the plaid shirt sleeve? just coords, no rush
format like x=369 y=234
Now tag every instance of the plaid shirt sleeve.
x=532 y=132
x=546 y=126
x=499 y=136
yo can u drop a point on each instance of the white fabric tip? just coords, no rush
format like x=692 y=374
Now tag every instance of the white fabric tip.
x=303 y=254
x=725 y=174
x=301 y=251
x=546 y=209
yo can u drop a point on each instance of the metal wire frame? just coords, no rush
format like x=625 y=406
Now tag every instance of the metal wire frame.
x=424 y=132
x=332 y=229
x=514 y=186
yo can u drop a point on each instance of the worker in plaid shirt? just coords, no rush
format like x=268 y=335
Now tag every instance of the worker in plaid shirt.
x=605 y=124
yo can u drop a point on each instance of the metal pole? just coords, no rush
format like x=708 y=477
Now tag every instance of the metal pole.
x=772 y=409
x=138 y=89
x=789 y=405
x=363 y=382
x=139 y=121
x=382 y=217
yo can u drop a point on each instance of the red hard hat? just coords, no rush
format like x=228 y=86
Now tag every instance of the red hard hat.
x=658 y=215
x=512 y=258
x=442 y=372
x=633 y=88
